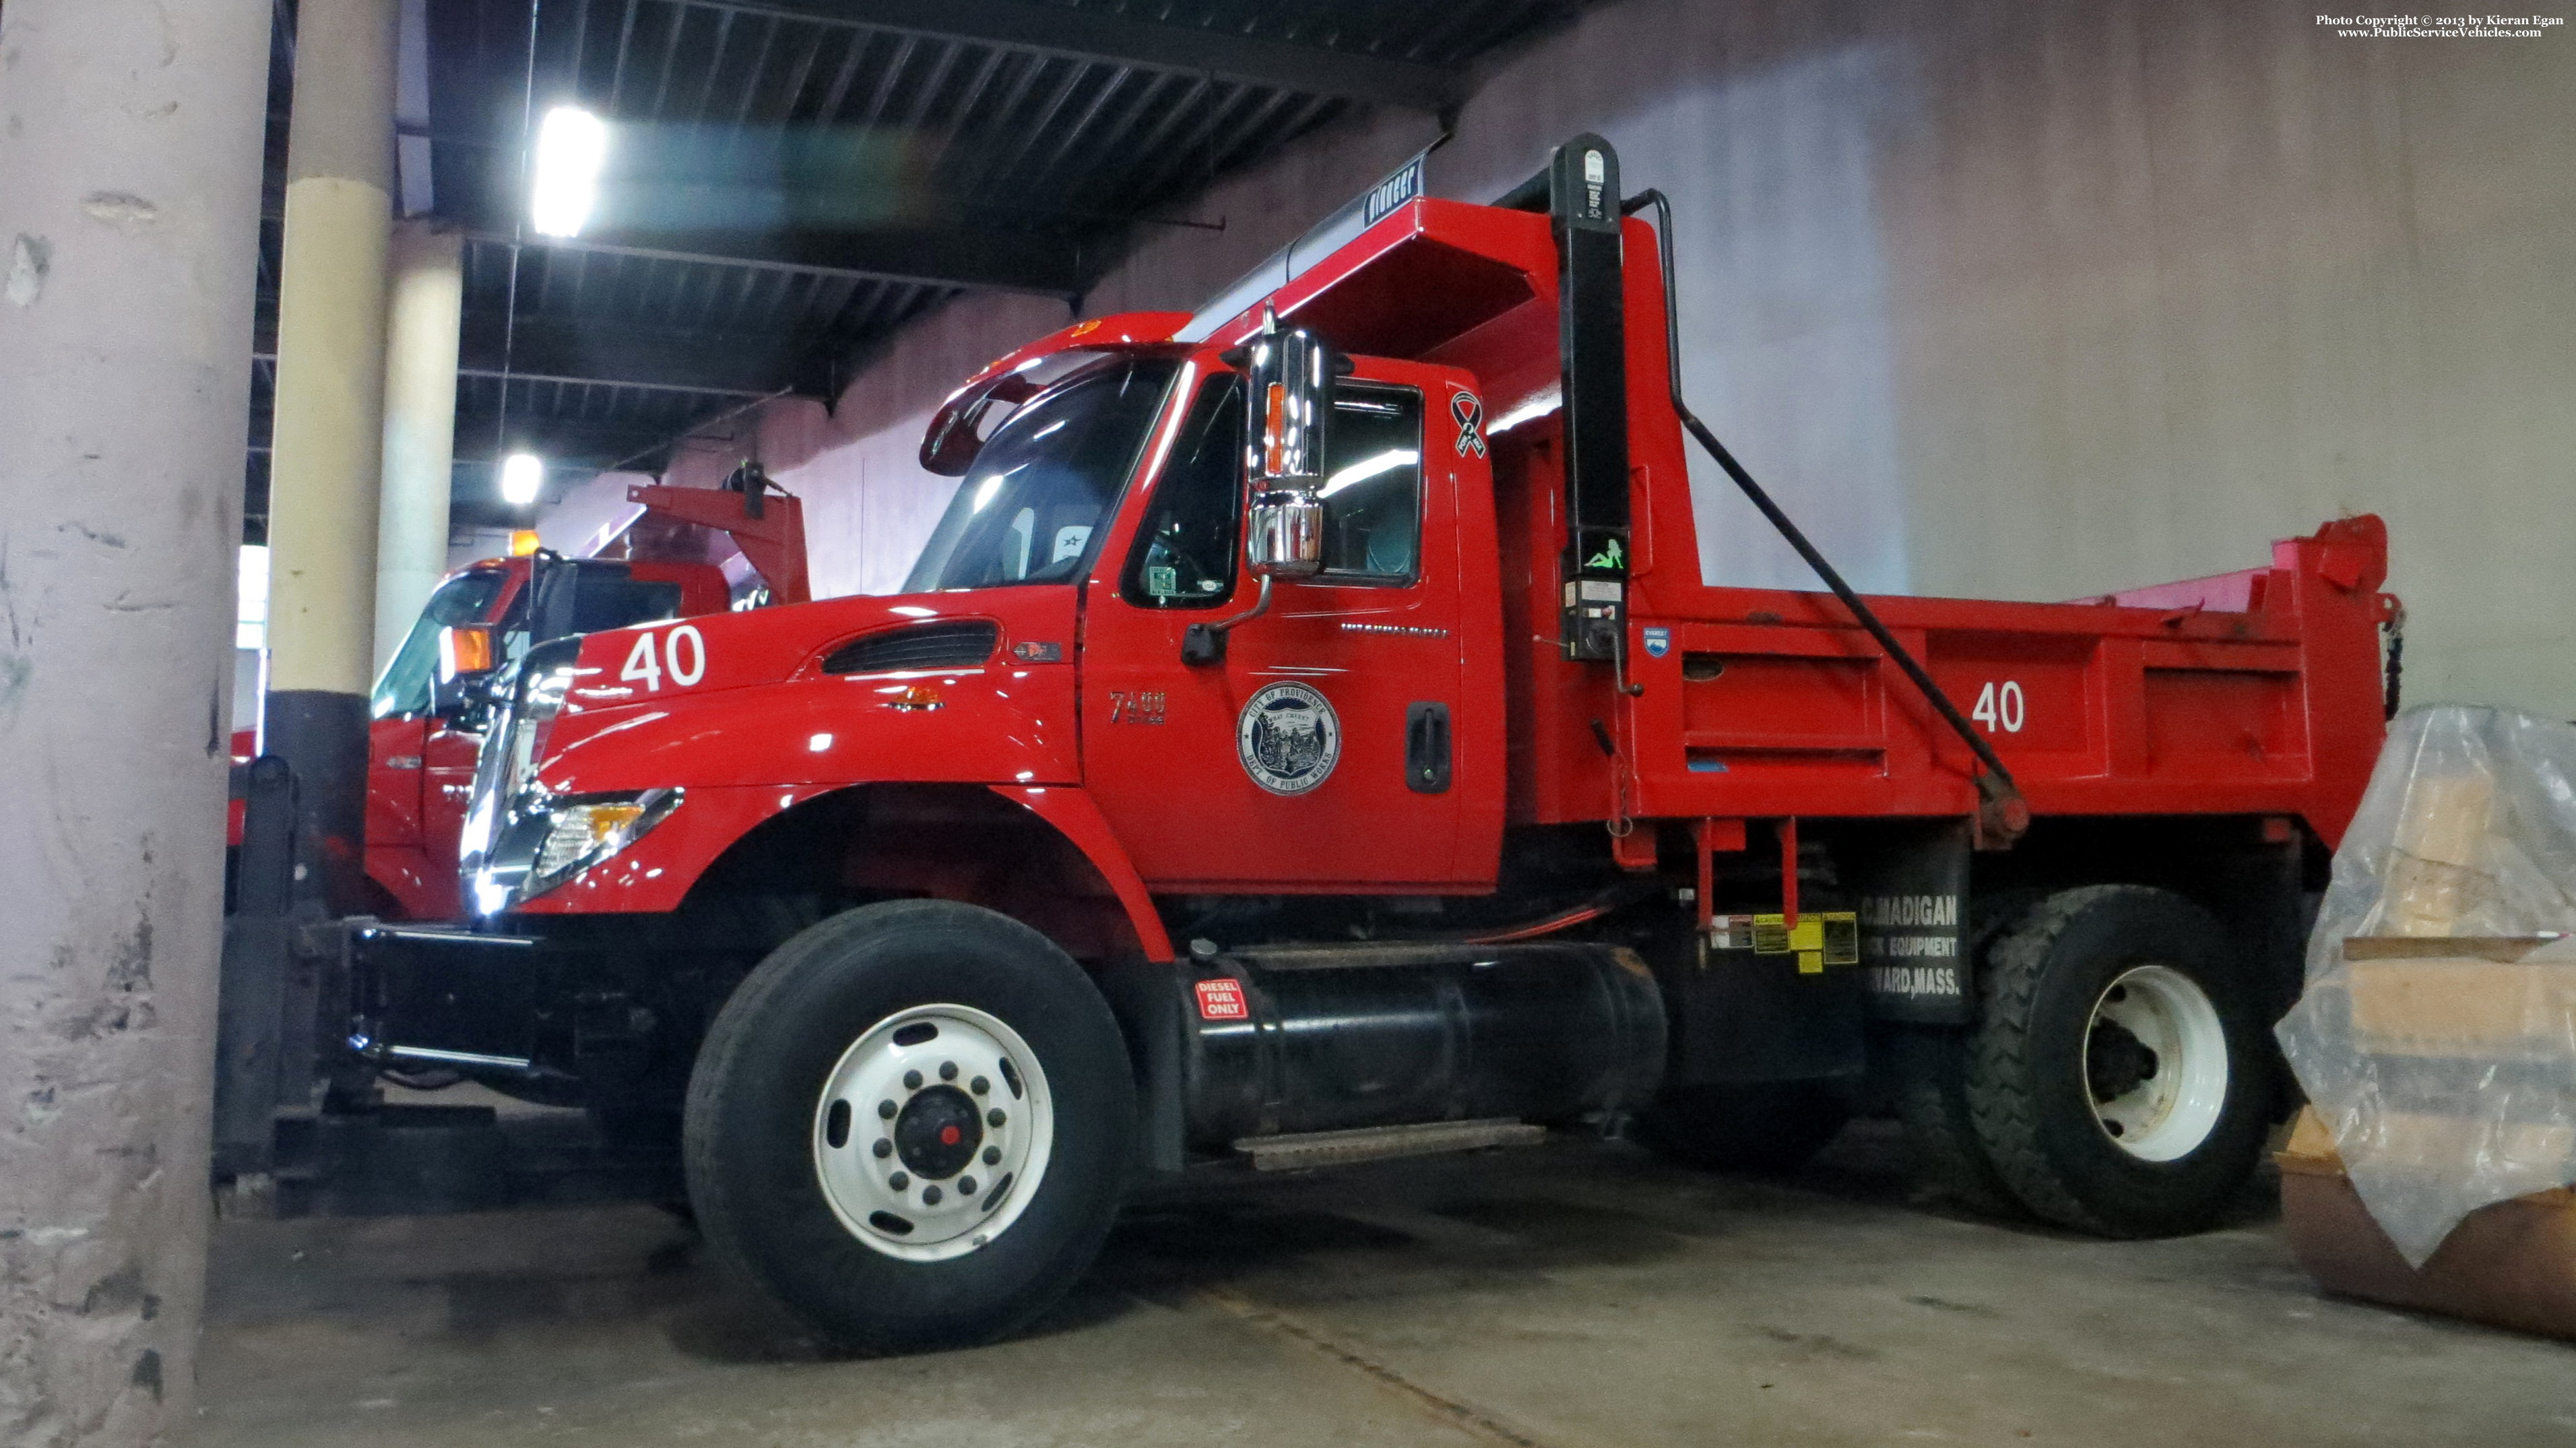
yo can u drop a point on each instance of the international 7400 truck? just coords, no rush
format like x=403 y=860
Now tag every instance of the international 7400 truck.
x=1307 y=736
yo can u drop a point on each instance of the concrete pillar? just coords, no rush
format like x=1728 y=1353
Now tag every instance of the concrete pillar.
x=329 y=431
x=129 y=223
x=422 y=317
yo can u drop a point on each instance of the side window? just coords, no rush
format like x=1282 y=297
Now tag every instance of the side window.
x=1185 y=549
x=1373 y=485
x=404 y=688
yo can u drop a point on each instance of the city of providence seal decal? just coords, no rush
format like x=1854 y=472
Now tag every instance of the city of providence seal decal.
x=1288 y=738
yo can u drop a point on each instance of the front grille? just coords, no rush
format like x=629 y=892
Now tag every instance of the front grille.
x=960 y=644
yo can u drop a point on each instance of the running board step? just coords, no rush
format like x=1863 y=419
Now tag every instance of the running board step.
x=1374 y=1143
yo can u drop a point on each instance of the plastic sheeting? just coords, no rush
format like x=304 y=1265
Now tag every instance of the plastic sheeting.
x=2447 y=1072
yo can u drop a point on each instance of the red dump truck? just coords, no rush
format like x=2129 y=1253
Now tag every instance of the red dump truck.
x=1307 y=737
x=420 y=762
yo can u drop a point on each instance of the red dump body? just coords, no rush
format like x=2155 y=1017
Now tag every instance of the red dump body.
x=2251 y=694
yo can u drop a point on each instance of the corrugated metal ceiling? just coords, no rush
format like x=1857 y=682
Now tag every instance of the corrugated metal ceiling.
x=792 y=181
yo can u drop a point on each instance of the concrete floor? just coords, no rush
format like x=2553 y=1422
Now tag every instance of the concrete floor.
x=1574 y=1294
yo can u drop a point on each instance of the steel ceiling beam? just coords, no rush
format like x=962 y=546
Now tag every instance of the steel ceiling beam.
x=566 y=444
x=975 y=259
x=567 y=349
x=521 y=374
x=571 y=444
x=588 y=352
x=1097 y=35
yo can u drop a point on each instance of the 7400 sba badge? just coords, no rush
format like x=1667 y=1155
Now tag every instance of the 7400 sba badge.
x=1307 y=736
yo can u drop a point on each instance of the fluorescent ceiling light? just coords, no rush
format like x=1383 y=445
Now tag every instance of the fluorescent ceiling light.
x=522 y=474
x=571 y=144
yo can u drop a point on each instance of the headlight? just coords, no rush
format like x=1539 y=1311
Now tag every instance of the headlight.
x=546 y=840
x=583 y=830
x=520 y=840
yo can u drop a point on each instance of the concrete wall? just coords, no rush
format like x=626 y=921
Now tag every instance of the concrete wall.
x=2009 y=299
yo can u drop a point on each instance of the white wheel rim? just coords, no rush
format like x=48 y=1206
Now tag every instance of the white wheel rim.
x=916 y=1161
x=2159 y=1106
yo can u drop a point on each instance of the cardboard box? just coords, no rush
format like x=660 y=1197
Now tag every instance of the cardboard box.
x=2439 y=1145
x=2435 y=867
x=2511 y=1264
x=2470 y=998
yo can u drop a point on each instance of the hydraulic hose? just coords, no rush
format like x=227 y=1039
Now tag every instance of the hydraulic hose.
x=2003 y=814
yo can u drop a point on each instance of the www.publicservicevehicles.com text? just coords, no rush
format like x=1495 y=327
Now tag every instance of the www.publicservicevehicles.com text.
x=2442 y=27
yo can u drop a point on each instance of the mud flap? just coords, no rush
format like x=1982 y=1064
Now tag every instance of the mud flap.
x=1147 y=998
x=1912 y=889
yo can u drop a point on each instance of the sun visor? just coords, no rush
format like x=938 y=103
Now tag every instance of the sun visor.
x=1334 y=232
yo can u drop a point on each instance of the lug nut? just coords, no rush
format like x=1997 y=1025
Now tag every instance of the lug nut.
x=965 y=1186
x=886 y=1110
x=994 y=1117
x=979 y=1085
x=899 y=1181
x=947 y=1070
x=911 y=1080
x=883 y=1148
x=930 y=1196
x=992 y=1156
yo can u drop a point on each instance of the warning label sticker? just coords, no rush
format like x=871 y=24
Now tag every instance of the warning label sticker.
x=1222 y=999
x=1818 y=940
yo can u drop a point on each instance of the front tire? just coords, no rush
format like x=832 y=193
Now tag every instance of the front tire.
x=857 y=1082
x=2118 y=1080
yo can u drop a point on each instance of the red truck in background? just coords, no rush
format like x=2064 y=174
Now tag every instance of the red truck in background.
x=420 y=765
x=1307 y=737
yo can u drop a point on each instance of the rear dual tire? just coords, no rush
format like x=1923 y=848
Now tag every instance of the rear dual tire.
x=2117 y=1082
x=855 y=1084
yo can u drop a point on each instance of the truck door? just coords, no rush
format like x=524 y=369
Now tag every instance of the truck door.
x=1321 y=753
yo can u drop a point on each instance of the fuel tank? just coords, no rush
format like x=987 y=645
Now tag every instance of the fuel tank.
x=1290 y=1040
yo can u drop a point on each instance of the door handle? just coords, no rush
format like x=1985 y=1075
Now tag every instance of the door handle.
x=1426 y=748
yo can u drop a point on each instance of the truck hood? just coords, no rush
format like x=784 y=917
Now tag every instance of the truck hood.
x=969 y=686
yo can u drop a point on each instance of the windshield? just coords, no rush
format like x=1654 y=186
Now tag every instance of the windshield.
x=1026 y=512
x=404 y=688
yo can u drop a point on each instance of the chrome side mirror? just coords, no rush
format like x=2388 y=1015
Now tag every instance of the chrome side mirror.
x=1291 y=396
x=1287 y=536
